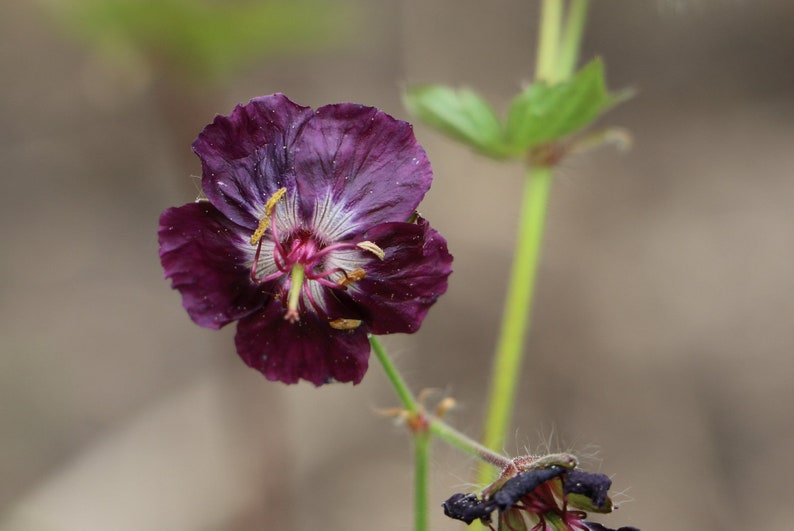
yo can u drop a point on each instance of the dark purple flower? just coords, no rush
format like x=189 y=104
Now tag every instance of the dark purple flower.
x=548 y=494
x=309 y=236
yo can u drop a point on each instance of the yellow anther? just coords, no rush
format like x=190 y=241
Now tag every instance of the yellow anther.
x=260 y=230
x=271 y=203
x=444 y=406
x=264 y=223
x=373 y=248
x=345 y=324
x=353 y=276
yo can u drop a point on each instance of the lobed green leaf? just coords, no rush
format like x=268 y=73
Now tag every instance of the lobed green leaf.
x=461 y=114
x=544 y=113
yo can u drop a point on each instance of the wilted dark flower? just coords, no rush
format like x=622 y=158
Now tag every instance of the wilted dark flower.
x=548 y=494
x=308 y=237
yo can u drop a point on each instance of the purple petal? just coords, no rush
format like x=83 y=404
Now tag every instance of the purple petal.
x=367 y=162
x=247 y=156
x=399 y=290
x=202 y=253
x=309 y=349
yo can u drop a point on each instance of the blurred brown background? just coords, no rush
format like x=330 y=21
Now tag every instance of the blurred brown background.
x=662 y=335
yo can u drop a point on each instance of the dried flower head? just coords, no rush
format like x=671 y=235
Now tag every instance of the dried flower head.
x=540 y=493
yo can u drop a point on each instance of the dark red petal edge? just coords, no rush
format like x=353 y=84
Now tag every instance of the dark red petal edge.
x=309 y=349
x=201 y=252
x=399 y=290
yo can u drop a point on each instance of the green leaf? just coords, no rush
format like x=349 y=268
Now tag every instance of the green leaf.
x=544 y=113
x=461 y=114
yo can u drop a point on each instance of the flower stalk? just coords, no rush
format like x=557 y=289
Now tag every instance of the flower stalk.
x=517 y=310
x=557 y=53
x=453 y=437
x=395 y=378
x=421 y=480
x=419 y=429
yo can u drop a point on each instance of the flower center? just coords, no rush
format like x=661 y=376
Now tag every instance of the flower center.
x=301 y=258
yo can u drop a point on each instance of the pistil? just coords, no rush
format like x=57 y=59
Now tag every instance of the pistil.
x=296 y=285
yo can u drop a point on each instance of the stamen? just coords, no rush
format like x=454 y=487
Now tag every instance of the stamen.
x=260 y=230
x=353 y=276
x=296 y=283
x=270 y=205
x=373 y=248
x=345 y=324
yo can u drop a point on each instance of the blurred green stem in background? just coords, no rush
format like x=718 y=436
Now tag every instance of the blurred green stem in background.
x=557 y=53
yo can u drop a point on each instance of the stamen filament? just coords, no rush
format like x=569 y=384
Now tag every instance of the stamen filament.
x=335 y=247
x=308 y=292
x=327 y=283
x=296 y=283
x=255 y=265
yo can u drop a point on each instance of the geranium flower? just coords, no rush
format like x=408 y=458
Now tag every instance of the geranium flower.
x=547 y=493
x=308 y=236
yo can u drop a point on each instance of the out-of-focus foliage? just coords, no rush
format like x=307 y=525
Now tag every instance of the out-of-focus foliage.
x=540 y=115
x=203 y=38
x=461 y=114
x=544 y=113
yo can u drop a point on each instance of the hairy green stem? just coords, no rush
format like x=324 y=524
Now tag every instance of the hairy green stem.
x=515 y=318
x=460 y=441
x=395 y=378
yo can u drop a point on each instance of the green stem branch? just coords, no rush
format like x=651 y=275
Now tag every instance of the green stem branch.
x=549 y=40
x=460 y=441
x=572 y=38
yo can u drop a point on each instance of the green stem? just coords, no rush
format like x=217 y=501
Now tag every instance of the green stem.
x=421 y=480
x=517 y=311
x=450 y=435
x=419 y=431
x=557 y=55
x=549 y=40
x=572 y=38
x=394 y=376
